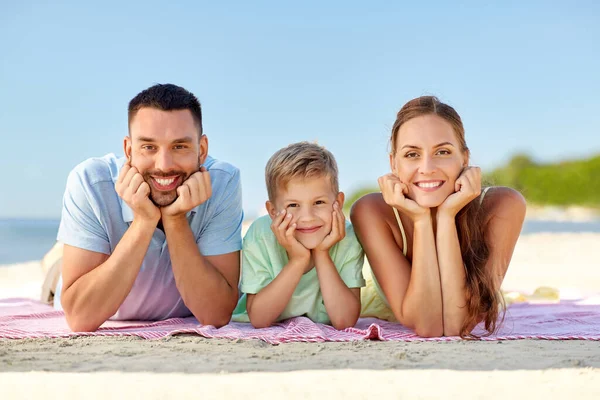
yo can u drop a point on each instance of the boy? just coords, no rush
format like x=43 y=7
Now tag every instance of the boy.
x=303 y=259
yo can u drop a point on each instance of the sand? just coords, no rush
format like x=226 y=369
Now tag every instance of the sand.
x=191 y=366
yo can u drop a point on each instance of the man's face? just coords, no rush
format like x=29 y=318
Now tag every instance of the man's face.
x=165 y=148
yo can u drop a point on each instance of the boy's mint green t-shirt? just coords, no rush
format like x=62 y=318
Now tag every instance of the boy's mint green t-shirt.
x=264 y=258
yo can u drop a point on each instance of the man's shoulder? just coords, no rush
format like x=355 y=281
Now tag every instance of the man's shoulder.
x=217 y=166
x=98 y=169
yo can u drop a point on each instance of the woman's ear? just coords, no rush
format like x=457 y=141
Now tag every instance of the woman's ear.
x=393 y=164
x=467 y=156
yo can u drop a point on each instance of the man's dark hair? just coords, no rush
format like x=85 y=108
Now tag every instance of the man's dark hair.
x=166 y=97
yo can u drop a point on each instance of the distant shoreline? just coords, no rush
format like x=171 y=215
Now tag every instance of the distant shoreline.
x=534 y=213
x=562 y=214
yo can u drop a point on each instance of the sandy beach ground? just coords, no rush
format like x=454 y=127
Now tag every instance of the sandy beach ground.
x=190 y=366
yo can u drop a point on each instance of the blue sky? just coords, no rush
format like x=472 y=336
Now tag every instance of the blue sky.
x=524 y=77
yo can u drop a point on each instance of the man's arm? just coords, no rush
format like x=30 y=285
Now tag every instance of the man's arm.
x=207 y=284
x=95 y=285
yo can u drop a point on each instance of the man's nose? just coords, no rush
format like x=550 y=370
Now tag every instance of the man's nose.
x=163 y=161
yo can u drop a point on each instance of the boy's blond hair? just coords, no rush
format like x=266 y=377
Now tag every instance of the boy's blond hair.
x=300 y=160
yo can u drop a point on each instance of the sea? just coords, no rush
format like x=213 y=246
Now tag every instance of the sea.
x=23 y=240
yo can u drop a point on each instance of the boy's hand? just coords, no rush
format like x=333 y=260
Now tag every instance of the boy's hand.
x=337 y=230
x=284 y=229
x=194 y=191
x=394 y=193
x=466 y=188
x=135 y=192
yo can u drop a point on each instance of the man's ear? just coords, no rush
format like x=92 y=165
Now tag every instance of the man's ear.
x=203 y=149
x=340 y=199
x=127 y=147
x=271 y=209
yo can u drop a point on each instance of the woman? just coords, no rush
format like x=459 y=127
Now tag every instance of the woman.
x=438 y=245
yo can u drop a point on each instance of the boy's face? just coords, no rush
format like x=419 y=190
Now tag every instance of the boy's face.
x=310 y=201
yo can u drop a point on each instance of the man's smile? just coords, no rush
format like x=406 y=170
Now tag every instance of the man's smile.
x=165 y=184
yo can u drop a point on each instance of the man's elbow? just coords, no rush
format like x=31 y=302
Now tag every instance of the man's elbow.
x=81 y=324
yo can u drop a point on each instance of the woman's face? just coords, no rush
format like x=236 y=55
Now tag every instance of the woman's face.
x=428 y=159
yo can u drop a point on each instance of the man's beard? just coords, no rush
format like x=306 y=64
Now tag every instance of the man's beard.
x=164 y=198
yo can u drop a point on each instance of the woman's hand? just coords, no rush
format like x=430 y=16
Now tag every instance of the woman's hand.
x=466 y=188
x=394 y=193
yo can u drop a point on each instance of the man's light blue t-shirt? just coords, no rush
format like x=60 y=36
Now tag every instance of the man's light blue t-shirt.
x=95 y=218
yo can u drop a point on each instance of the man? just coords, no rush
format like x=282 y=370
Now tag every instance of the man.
x=156 y=234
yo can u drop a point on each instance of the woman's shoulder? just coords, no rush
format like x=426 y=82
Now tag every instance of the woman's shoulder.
x=505 y=202
x=369 y=204
x=371 y=212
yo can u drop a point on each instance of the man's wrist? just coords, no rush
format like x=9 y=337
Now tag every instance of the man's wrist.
x=174 y=219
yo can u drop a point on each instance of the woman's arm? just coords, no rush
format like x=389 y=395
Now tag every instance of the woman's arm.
x=452 y=275
x=505 y=210
x=413 y=292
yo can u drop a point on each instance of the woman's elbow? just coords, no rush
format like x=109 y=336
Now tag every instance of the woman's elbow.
x=429 y=330
x=425 y=328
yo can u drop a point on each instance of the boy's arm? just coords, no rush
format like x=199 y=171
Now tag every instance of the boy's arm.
x=341 y=302
x=267 y=305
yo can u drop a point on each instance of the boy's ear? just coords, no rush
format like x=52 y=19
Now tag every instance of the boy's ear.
x=340 y=199
x=270 y=209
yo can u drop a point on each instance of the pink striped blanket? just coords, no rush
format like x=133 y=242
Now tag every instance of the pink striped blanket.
x=25 y=318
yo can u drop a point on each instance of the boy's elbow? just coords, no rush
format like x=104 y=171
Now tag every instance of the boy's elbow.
x=341 y=325
x=260 y=323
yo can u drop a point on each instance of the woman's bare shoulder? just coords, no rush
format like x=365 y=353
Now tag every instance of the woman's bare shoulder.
x=505 y=202
x=369 y=205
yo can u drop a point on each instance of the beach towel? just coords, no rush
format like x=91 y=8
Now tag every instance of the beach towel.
x=574 y=319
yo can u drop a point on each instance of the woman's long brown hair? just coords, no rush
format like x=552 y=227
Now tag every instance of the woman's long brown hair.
x=483 y=297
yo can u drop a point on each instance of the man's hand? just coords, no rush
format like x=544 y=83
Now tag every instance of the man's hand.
x=135 y=192
x=283 y=228
x=193 y=192
x=466 y=188
x=394 y=193
x=337 y=230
